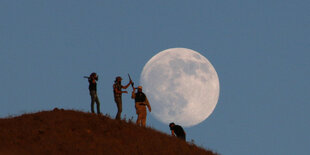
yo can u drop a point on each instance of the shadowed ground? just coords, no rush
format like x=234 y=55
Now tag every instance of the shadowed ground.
x=73 y=132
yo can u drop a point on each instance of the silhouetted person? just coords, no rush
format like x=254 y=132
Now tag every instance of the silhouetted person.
x=141 y=102
x=117 y=89
x=177 y=130
x=93 y=92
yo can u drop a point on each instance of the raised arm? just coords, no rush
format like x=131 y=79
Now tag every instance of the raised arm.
x=133 y=94
x=125 y=87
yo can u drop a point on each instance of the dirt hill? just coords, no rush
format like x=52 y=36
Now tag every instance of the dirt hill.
x=73 y=132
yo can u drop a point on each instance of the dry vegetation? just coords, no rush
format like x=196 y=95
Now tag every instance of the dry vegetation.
x=73 y=132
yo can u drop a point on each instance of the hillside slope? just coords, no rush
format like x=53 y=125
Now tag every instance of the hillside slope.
x=73 y=132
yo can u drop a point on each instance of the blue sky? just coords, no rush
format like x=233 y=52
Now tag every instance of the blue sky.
x=260 y=49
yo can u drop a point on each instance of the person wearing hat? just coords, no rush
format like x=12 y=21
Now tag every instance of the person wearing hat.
x=93 y=92
x=141 y=102
x=117 y=89
x=177 y=130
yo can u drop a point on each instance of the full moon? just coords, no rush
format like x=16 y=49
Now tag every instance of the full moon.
x=181 y=85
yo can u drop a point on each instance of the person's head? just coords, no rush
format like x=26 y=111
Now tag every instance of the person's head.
x=139 y=88
x=118 y=79
x=94 y=75
x=171 y=124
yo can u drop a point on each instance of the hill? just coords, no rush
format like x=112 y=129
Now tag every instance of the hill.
x=73 y=132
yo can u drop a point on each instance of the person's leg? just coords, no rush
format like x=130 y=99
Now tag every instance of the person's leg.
x=98 y=104
x=182 y=137
x=118 y=101
x=143 y=119
x=137 y=112
x=92 y=96
x=140 y=123
x=139 y=119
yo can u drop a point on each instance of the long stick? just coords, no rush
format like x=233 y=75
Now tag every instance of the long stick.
x=132 y=84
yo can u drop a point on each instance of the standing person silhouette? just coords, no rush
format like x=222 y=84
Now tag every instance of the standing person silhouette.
x=117 y=89
x=141 y=102
x=93 y=92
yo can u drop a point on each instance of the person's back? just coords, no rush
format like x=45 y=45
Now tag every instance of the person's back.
x=178 y=131
x=140 y=97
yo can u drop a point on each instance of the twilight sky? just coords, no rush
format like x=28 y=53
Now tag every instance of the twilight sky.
x=259 y=48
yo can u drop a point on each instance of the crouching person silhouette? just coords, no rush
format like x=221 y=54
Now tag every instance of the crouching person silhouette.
x=177 y=130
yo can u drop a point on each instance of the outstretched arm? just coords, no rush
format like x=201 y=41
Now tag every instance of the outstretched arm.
x=118 y=91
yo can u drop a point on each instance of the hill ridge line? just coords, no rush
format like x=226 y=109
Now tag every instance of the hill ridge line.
x=62 y=131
